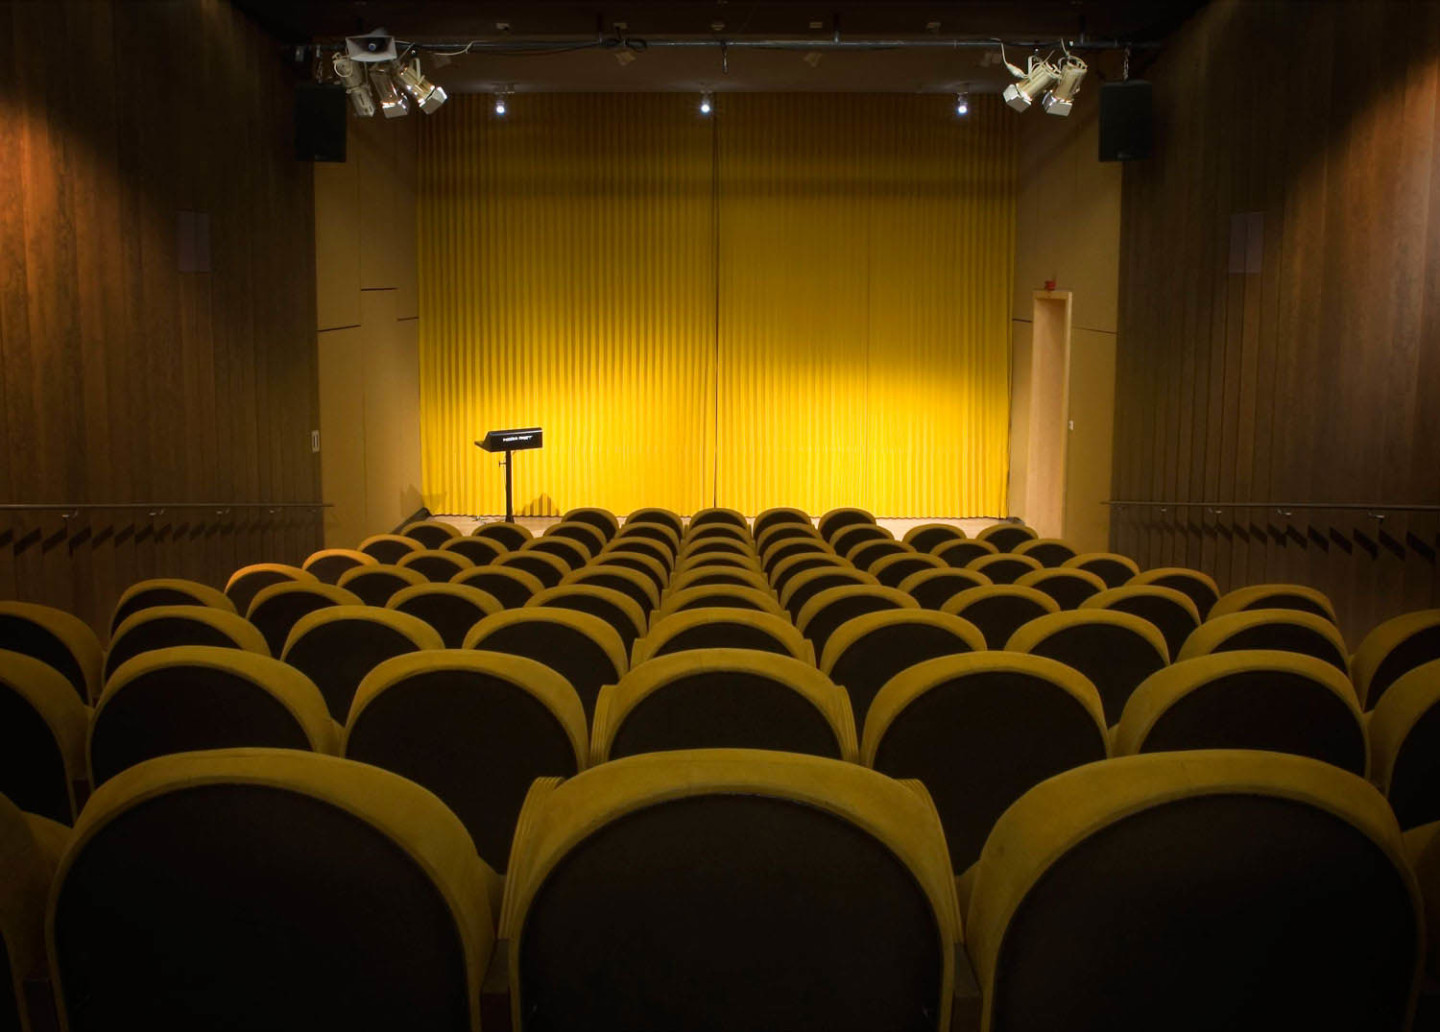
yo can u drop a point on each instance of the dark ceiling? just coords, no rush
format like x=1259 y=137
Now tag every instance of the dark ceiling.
x=589 y=46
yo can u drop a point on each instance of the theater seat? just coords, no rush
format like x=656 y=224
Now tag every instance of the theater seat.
x=733 y=517
x=1193 y=892
x=845 y=539
x=1422 y=848
x=574 y=554
x=1068 y=587
x=511 y=535
x=1387 y=652
x=651 y=567
x=1169 y=609
x=30 y=849
x=664 y=517
x=602 y=520
x=387 y=549
x=269 y=889
x=616 y=608
x=328 y=564
x=582 y=648
x=548 y=569
x=436 y=565
x=1199 y=586
x=802 y=587
x=1405 y=746
x=171 y=591
x=980 y=729
x=750 y=890
x=1007 y=536
x=337 y=647
x=712 y=577
x=662 y=534
x=43 y=725
x=867 y=651
x=1049 y=552
x=162 y=627
x=430 y=533
x=723 y=698
x=1288 y=630
x=639 y=544
x=932 y=588
x=780 y=516
x=716 y=546
x=960 y=554
x=376 y=585
x=835 y=520
x=716 y=530
x=55 y=638
x=1280 y=701
x=582 y=532
x=1005 y=568
x=890 y=570
x=827 y=610
x=194 y=697
x=275 y=609
x=790 y=555
x=718 y=596
x=717 y=560
x=512 y=586
x=480 y=551
x=925 y=536
x=1114 y=569
x=1275 y=596
x=246 y=582
x=778 y=533
x=866 y=554
x=722 y=629
x=635 y=585
x=475 y=728
x=451 y=609
x=999 y=610
x=1116 y=651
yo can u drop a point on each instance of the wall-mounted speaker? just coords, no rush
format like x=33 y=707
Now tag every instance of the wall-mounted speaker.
x=1126 y=121
x=319 y=121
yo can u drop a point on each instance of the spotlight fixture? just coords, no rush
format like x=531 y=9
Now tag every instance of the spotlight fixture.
x=500 y=99
x=352 y=77
x=962 y=104
x=382 y=80
x=706 y=106
x=1061 y=99
x=1039 y=76
x=427 y=96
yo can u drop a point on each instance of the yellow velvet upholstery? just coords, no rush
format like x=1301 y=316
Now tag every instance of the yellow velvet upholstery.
x=559 y=818
x=184 y=625
x=831 y=596
x=377 y=584
x=27 y=866
x=594 y=517
x=1052 y=552
x=583 y=648
x=831 y=522
x=639 y=583
x=1200 y=587
x=436 y=564
x=618 y=701
x=774 y=629
x=1162 y=692
x=579 y=595
x=1393 y=647
x=1288 y=629
x=932 y=587
x=914 y=562
x=1422 y=847
x=679 y=599
x=690 y=577
x=1274 y=596
x=1403 y=726
x=583 y=531
x=417 y=824
x=703 y=559
x=647 y=528
x=655 y=514
x=575 y=553
x=175 y=591
x=245 y=582
x=441 y=605
x=1006 y=536
x=275 y=609
x=1114 y=569
x=999 y=610
x=430 y=533
x=617 y=555
x=53 y=700
x=1059 y=579
x=55 y=637
x=948 y=530
x=329 y=563
x=388 y=548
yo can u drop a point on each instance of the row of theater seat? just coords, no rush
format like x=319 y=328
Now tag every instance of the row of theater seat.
x=730 y=568
x=716 y=890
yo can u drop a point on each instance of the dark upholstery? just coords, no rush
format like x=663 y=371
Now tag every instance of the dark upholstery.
x=573 y=553
x=572 y=654
x=510 y=590
x=162 y=632
x=452 y=616
x=708 y=517
x=1067 y=587
x=242 y=590
x=1200 y=592
x=429 y=535
x=389 y=550
x=934 y=592
x=1006 y=536
x=656 y=547
x=722 y=601
x=775 y=517
x=825 y=620
x=597 y=576
x=1006 y=568
x=18 y=634
x=961 y=553
x=1000 y=615
x=374 y=586
x=642 y=516
x=507 y=534
x=833 y=522
x=719 y=577
x=724 y=912
x=1414 y=790
x=866 y=555
x=870 y=661
x=533 y=564
x=1049 y=554
x=848 y=537
x=164 y=596
x=1174 y=621
x=1113 y=572
x=1420 y=647
x=338 y=655
x=32 y=767
x=274 y=616
x=895 y=572
x=478 y=550
x=722 y=634
x=1115 y=659
x=629 y=562
x=597 y=605
x=796 y=547
x=927 y=539
x=834 y=577
x=1286 y=637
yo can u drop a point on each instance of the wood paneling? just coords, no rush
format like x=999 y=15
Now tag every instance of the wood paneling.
x=125 y=379
x=1280 y=302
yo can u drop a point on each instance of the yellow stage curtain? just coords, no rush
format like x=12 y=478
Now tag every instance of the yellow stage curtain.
x=567 y=281
x=802 y=301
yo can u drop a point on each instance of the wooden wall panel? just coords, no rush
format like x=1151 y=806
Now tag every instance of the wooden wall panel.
x=1280 y=304
x=125 y=379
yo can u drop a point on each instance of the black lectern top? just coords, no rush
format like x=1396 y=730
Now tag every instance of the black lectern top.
x=513 y=440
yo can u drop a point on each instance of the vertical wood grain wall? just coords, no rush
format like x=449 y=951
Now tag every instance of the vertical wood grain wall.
x=1280 y=302
x=122 y=378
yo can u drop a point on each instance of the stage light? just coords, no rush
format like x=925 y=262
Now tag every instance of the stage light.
x=1061 y=99
x=352 y=76
x=705 y=105
x=500 y=103
x=962 y=104
x=392 y=102
x=1039 y=77
x=427 y=96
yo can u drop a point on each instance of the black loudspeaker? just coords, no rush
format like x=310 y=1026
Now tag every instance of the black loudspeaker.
x=1126 y=128
x=319 y=121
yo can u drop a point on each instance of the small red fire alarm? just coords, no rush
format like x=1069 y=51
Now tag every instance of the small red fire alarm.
x=1049 y=284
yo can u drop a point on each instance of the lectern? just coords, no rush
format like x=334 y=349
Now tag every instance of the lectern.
x=509 y=441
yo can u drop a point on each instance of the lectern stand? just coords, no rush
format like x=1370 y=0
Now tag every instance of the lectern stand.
x=509 y=442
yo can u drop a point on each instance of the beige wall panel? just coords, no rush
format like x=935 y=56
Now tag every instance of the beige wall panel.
x=1091 y=439
x=337 y=244
x=373 y=144
x=403 y=185
x=391 y=426
x=342 y=442
x=1021 y=334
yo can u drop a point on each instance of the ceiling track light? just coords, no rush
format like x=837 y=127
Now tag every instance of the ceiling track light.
x=1060 y=100
x=1039 y=76
x=427 y=96
x=501 y=105
x=962 y=104
x=382 y=80
x=352 y=77
x=707 y=104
